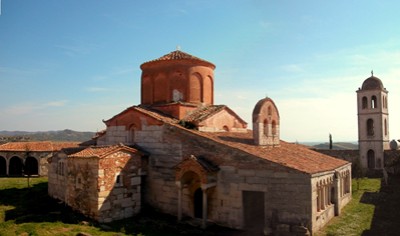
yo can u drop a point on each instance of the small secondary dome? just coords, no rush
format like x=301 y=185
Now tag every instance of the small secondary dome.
x=372 y=83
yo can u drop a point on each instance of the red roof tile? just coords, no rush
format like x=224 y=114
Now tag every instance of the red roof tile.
x=44 y=146
x=101 y=151
x=178 y=55
x=291 y=155
x=286 y=154
x=155 y=114
x=203 y=113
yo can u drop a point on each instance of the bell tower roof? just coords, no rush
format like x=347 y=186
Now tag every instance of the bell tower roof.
x=372 y=83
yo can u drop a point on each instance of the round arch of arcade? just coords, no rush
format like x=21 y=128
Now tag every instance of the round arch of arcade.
x=194 y=180
x=16 y=165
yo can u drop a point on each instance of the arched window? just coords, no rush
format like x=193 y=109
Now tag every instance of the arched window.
x=269 y=110
x=273 y=127
x=131 y=135
x=364 y=103
x=374 y=103
x=226 y=128
x=370 y=127
x=371 y=159
x=266 y=127
x=79 y=181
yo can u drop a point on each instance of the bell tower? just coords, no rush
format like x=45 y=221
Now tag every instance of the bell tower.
x=373 y=123
x=266 y=123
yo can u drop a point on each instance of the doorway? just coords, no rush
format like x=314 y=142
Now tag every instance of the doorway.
x=198 y=203
x=254 y=211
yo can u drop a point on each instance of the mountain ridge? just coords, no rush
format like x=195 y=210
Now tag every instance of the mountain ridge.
x=53 y=135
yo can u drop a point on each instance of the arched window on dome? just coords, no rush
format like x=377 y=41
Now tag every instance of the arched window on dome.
x=269 y=110
x=273 y=127
x=226 y=128
x=374 y=103
x=364 y=103
x=370 y=127
x=265 y=127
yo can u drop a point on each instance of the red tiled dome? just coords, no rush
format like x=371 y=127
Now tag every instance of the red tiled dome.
x=178 y=56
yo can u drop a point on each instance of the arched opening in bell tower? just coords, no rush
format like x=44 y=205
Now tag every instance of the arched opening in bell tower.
x=374 y=103
x=371 y=159
x=364 y=103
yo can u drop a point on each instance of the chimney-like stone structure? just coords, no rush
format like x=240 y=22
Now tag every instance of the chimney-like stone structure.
x=266 y=123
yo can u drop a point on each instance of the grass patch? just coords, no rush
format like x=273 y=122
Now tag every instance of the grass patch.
x=24 y=211
x=30 y=211
x=372 y=211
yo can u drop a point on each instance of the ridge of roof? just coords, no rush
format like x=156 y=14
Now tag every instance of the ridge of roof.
x=101 y=151
x=176 y=56
x=37 y=146
x=147 y=111
x=203 y=113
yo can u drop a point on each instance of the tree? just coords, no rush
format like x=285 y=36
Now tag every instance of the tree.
x=357 y=171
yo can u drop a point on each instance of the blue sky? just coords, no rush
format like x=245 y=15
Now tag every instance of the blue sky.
x=71 y=64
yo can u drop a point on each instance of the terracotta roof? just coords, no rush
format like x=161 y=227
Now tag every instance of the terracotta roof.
x=287 y=154
x=177 y=56
x=101 y=151
x=294 y=156
x=155 y=114
x=203 y=113
x=44 y=146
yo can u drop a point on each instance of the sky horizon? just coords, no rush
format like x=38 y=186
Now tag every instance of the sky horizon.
x=71 y=64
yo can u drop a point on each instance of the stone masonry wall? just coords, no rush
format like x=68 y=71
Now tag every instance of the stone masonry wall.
x=239 y=172
x=119 y=187
x=116 y=134
x=82 y=183
x=57 y=178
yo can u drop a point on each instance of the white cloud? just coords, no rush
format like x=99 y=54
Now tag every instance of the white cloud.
x=97 y=89
x=76 y=48
x=30 y=107
x=293 y=68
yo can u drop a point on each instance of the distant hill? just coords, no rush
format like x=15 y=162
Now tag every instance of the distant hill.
x=337 y=146
x=60 y=135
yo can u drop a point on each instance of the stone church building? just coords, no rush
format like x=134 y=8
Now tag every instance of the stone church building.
x=180 y=153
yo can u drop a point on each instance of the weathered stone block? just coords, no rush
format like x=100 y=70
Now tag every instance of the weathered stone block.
x=136 y=180
x=246 y=172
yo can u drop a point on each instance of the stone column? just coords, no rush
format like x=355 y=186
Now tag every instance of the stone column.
x=204 y=223
x=7 y=166
x=336 y=197
x=204 y=188
x=179 y=185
